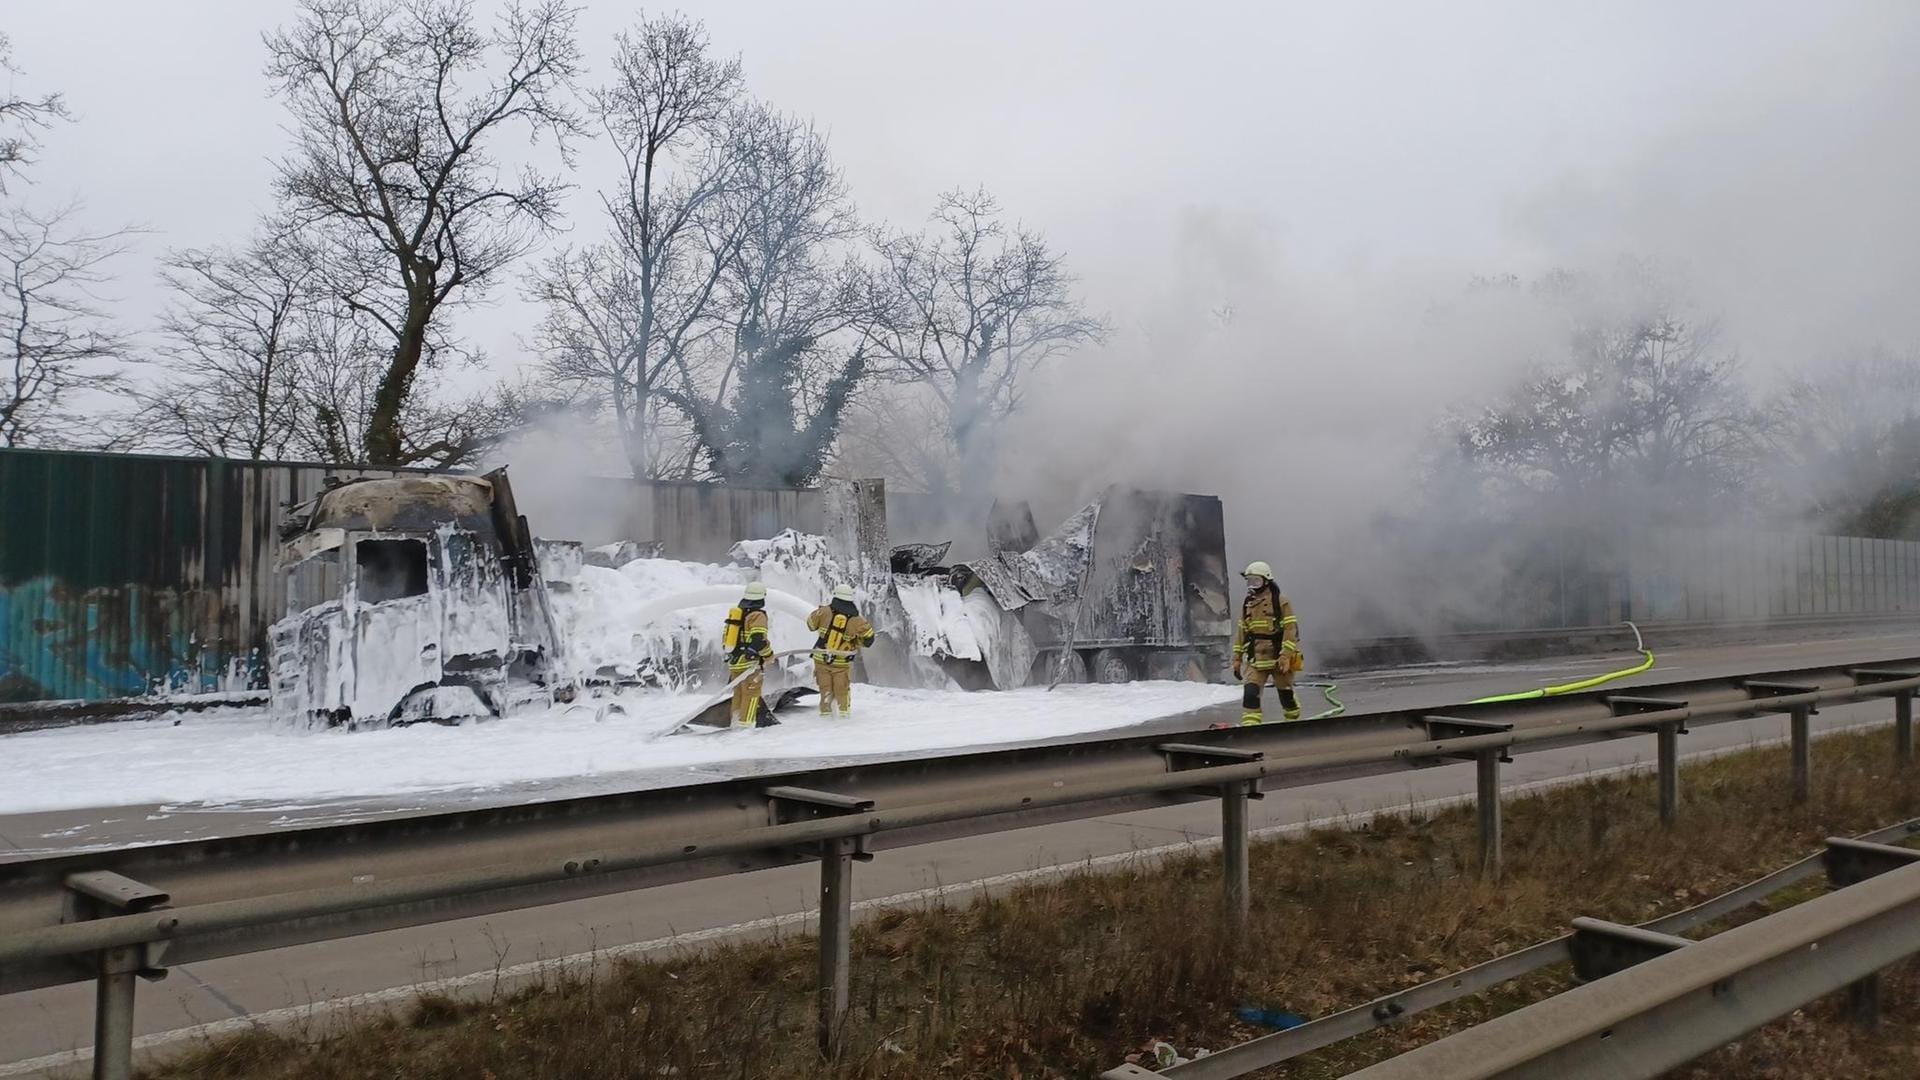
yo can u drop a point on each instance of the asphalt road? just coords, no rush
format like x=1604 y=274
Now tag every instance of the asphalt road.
x=265 y=985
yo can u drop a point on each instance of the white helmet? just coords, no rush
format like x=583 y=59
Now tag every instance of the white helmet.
x=756 y=590
x=843 y=592
x=1258 y=569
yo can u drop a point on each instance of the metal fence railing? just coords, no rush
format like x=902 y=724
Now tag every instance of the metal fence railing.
x=1595 y=949
x=1655 y=1002
x=114 y=916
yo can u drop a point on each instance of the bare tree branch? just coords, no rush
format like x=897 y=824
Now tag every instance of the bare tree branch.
x=971 y=311
x=1644 y=407
x=622 y=315
x=234 y=341
x=21 y=119
x=396 y=105
x=1848 y=434
x=55 y=340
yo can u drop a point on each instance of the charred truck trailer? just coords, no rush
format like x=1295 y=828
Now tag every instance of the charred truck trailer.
x=1133 y=586
x=412 y=598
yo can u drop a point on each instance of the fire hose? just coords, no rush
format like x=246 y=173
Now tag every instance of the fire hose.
x=1639 y=645
x=1330 y=689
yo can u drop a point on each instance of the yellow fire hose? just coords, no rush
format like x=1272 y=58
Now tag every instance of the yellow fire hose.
x=1329 y=690
x=1335 y=707
x=1639 y=645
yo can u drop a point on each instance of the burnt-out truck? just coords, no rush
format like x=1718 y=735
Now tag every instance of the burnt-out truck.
x=1133 y=586
x=412 y=598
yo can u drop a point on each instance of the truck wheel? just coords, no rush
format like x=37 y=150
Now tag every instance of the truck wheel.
x=1181 y=666
x=1111 y=666
x=1048 y=668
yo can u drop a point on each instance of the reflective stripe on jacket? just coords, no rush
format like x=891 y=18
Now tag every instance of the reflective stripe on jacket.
x=841 y=631
x=1267 y=627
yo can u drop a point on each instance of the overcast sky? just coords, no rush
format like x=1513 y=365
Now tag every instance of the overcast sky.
x=1768 y=148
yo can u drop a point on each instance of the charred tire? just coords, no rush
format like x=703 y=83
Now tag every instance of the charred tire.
x=1181 y=666
x=1049 y=668
x=1111 y=666
x=426 y=692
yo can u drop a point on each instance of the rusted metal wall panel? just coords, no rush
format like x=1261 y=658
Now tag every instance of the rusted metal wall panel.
x=701 y=521
x=128 y=574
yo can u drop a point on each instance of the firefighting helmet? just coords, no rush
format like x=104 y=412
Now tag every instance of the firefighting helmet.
x=1258 y=569
x=843 y=592
x=756 y=590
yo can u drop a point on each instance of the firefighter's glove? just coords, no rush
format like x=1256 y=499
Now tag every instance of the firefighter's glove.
x=1236 y=669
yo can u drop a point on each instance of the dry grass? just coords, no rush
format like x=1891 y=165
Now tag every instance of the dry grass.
x=1063 y=979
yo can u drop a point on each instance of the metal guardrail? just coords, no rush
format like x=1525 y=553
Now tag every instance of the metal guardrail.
x=59 y=924
x=1844 y=861
x=1648 y=1015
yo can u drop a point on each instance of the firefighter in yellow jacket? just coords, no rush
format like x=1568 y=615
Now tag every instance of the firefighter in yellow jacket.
x=1266 y=645
x=843 y=630
x=748 y=651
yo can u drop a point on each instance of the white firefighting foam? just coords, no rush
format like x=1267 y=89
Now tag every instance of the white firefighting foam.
x=242 y=759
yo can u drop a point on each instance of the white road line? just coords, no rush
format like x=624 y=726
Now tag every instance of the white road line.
x=306 y=1014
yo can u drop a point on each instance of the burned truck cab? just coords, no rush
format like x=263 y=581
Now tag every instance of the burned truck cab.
x=411 y=598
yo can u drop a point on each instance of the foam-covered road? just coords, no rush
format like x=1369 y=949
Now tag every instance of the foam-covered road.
x=52 y=1021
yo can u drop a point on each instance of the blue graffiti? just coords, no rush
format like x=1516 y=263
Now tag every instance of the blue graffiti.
x=59 y=644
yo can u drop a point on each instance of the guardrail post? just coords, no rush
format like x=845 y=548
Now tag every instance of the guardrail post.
x=1669 y=753
x=113 y=1014
x=836 y=941
x=1487 y=799
x=100 y=894
x=1666 y=738
x=1850 y=862
x=1903 y=726
x=1236 y=896
x=1863 y=1002
x=833 y=988
x=1802 y=739
x=1233 y=851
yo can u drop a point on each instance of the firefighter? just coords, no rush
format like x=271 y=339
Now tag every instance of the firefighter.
x=748 y=651
x=1266 y=645
x=843 y=630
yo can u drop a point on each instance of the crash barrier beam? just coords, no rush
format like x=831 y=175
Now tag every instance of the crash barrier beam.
x=1283 y=1046
x=37 y=956
x=1668 y=1010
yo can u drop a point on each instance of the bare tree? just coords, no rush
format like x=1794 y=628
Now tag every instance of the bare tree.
x=57 y=340
x=975 y=308
x=396 y=107
x=338 y=375
x=233 y=346
x=622 y=315
x=792 y=344
x=1848 y=436
x=896 y=430
x=1647 y=408
x=338 y=378
x=21 y=118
